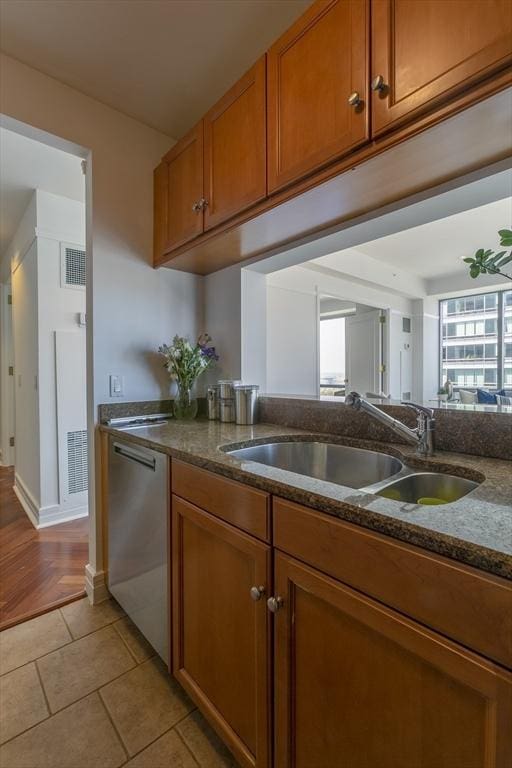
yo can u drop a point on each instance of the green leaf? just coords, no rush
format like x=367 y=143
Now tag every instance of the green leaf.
x=506 y=236
x=495 y=258
x=479 y=254
x=469 y=260
x=504 y=261
x=474 y=270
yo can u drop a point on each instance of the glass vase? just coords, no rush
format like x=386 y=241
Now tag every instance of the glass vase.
x=185 y=405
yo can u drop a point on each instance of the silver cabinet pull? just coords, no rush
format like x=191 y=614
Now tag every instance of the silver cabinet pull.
x=134 y=455
x=257 y=593
x=203 y=203
x=197 y=207
x=274 y=604
x=354 y=99
x=378 y=84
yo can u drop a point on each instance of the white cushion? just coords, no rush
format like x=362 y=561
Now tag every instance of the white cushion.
x=467 y=397
x=502 y=400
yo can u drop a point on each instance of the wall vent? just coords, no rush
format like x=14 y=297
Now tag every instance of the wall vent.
x=72 y=266
x=77 y=461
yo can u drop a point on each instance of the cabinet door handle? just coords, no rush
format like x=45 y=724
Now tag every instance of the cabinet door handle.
x=378 y=84
x=274 y=604
x=257 y=593
x=354 y=99
x=197 y=207
x=203 y=203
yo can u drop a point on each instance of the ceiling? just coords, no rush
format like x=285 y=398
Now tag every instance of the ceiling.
x=163 y=62
x=27 y=165
x=437 y=248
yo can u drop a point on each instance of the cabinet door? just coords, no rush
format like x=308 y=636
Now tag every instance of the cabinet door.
x=312 y=71
x=425 y=50
x=359 y=685
x=221 y=640
x=179 y=192
x=235 y=154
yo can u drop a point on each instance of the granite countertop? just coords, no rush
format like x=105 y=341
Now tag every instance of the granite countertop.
x=476 y=529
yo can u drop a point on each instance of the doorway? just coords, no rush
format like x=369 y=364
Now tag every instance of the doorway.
x=43 y=376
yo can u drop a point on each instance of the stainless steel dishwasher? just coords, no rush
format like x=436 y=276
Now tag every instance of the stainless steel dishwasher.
x=138 y=536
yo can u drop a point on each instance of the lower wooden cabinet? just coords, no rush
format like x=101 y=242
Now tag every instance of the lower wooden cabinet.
x=361 y=686
x=221 y=634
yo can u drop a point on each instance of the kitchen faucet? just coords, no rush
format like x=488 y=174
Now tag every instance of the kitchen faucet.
x=422 y=436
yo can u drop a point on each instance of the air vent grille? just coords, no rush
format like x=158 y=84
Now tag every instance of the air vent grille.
x=75 y=266
x=77 y=461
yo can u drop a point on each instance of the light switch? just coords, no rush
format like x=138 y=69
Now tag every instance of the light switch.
x=116 y=385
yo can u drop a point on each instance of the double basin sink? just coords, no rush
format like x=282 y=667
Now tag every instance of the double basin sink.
x=369 y=471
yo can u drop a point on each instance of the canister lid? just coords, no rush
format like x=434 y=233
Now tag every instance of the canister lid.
x=247 y=387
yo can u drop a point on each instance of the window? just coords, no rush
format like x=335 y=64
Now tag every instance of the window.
x=476 y=340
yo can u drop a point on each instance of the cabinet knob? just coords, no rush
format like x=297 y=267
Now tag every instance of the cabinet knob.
x=274 y=604
x=257 y=593
x=197 y=206
x=354 y=99
x=203 y=203
x=378 y=84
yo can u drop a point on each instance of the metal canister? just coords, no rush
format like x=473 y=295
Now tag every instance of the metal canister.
x=227 y=388
x=213 y=400
x=246 y=403
x=227 y=409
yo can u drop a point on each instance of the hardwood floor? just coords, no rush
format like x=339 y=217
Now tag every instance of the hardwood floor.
x=39 y=569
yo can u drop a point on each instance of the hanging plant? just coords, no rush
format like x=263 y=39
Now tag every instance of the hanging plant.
x=491 y=263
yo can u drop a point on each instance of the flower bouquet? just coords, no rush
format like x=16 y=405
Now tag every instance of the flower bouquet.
x=185 y=362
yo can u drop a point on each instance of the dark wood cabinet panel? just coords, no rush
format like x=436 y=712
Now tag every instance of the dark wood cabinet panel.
x=179 y=191
x=221 y=636
x=427 y=50
x=235 y=153
x=312 y=71
x=360 y=685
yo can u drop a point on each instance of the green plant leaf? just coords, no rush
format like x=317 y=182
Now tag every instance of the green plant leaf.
x=469 y=260
x=474 y=270
x=479 y=255
x=504 y=261
x=506 y=236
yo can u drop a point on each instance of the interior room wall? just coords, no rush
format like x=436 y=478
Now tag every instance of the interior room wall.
x=26 y=355
x=131 y=307
x=223 y=312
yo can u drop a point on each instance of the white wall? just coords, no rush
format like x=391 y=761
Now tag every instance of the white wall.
x=223 y=313
x=292 y=342
x=26 y=356
x=6 y=381
x=131 y=307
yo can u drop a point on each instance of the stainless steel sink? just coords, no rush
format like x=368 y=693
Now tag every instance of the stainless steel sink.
x=427 y=488
x=352 y=467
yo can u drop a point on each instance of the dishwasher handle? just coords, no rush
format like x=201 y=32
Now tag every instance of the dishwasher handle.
x=134 y=455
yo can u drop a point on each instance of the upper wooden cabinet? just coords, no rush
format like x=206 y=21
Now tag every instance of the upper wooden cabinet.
x=359 y=685
x=178 y=189
x=314 y=69
x=424 y=50
x=235 y=149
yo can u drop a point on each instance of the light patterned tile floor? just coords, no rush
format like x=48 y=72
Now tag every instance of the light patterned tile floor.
x=117 y=705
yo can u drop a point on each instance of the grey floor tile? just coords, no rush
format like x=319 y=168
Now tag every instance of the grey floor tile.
x=168 y=751
x=135 y=641
x=83 y=618
x=26 y=642
x=144 y=703
x=81 y=667
x=204 y=743
x=81 y=736
x=22 y=702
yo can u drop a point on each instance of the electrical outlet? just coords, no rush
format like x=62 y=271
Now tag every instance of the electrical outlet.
x=116 y=385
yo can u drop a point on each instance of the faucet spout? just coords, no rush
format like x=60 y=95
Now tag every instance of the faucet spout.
x=422 y=436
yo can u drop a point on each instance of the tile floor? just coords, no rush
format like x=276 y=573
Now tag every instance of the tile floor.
x=81 y=688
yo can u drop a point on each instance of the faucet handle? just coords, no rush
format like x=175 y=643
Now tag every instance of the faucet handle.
x=353 y=399
x=420 y=410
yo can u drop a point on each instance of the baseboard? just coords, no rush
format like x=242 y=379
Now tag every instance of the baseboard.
x=55 y=514
x=45 y=516
x=26 y=500
x=96 y=585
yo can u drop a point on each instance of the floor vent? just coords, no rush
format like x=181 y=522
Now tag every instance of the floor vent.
x=77 y=461
x=73 y=266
